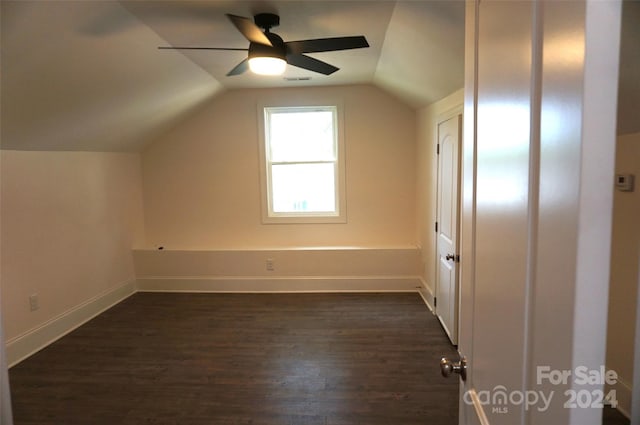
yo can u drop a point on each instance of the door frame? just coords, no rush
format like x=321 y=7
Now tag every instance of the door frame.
x=455 y=111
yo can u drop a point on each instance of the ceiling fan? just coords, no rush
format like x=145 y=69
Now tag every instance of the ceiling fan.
x=268 y=54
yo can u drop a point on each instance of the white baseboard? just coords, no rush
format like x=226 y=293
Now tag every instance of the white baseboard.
x=28 y=343
x=623 y=396
x=280 y=284
x=427 y=295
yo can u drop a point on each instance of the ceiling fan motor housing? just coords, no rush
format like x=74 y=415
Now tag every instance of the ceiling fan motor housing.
x=278 y=49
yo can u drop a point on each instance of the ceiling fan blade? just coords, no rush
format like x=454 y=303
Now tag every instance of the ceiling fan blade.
x=312 y=64
x=239 y=68
x=198 y=48
x=249 y=30
x=327 y=44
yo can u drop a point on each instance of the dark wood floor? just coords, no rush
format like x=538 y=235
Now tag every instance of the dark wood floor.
x=304 y=359
x=612 y=416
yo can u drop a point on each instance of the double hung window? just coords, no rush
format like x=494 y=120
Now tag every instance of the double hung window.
x=303 y=158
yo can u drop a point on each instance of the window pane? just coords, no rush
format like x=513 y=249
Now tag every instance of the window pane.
x=303 y=188
x=301 y=136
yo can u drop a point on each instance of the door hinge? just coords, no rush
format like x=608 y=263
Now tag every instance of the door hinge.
x=436 y=226
x=438 y=149
x=435 y=302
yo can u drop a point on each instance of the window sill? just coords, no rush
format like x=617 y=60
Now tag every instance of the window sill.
x=304 y=219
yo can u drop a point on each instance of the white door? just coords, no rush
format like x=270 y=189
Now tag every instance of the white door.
x=539 y=139
x=447 y=225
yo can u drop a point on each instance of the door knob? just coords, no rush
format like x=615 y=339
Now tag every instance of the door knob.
x=450 y=257
x=447 y=367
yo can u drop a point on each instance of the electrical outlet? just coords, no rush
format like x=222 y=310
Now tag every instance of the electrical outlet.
x=270 y=265
x=34 y=304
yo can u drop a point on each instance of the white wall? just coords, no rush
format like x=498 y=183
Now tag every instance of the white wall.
x=201 y=181
x=623 y=289
x=201 y=185
x=69 y=220
x=426 y=183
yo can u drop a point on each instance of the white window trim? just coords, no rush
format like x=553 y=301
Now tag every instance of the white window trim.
x=268 y=216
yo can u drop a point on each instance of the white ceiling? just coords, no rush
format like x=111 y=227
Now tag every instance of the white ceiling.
x=87 y=75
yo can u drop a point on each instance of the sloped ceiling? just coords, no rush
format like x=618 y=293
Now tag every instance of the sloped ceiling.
x=422 y=57
x=64 y=89
x=298 y=21
x=87 y=75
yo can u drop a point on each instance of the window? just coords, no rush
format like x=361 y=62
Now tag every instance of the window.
x=303 y=173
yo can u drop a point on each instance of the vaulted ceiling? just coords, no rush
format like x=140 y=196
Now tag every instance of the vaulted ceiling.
x=87 y=75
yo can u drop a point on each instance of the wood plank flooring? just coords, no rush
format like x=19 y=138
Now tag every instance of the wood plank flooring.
x=612 y=416
x=286 y=359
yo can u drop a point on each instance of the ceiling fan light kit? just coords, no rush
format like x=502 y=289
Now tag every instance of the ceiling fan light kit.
x=267 y=65
x=268 y=54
